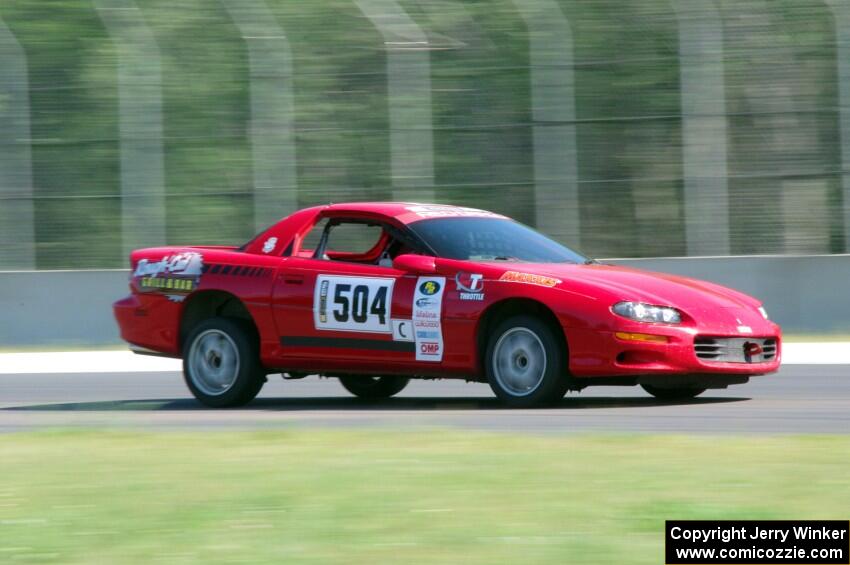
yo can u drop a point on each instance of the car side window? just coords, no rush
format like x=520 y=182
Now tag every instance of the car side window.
x=312 y=239
x=354 y=238
x=349 y=241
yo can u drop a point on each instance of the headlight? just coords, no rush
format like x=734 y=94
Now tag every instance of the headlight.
x=763 y=312
x=641 y=312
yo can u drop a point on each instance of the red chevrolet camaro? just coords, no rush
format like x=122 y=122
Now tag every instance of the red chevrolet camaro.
x=378 y=293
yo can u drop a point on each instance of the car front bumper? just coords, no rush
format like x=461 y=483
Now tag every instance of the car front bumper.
x=595 y=353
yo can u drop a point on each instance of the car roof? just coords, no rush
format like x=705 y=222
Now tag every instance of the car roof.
x=410 y=212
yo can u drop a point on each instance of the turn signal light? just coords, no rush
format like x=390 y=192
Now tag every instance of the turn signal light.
x=630 y=336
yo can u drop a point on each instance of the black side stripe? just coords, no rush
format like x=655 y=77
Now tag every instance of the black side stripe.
x=348 y=343
x=237 y=270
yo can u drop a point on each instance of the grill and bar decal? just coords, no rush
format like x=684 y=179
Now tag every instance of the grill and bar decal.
x=347 y=343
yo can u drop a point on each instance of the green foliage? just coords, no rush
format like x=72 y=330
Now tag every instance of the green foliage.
x=784 y=155
x=381 y=497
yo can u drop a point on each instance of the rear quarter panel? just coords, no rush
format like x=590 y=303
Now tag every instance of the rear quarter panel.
x=163 y=281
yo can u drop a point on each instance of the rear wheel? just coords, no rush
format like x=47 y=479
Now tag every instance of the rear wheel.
x=526 y=363
x=221 y=363
x=373 y=388
x=671 y=393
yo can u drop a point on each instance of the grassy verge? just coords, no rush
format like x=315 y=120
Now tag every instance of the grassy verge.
x=383 y=497
x=817 y=338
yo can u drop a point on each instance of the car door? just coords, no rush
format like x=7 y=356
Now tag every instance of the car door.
x=344 y=308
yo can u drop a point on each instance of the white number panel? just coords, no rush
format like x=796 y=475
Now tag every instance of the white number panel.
x=353 y=304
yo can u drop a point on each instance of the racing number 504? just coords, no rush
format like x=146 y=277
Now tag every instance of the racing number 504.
x=355 y=304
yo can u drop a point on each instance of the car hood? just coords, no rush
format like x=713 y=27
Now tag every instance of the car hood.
x=625 y=283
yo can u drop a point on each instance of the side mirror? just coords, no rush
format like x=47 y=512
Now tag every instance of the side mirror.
x=415 y=264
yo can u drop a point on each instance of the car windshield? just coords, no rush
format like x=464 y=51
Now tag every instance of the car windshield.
x=491 y=239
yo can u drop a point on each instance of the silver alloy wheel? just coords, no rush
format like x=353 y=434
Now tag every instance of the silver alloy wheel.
x=213 y=362
x=519 y=361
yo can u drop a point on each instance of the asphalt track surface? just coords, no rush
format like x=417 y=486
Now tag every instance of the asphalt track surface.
x=799 y=399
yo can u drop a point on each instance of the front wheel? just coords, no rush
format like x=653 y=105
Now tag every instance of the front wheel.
x=526 y=363
x=670 y=393
x=373 y=388
x=221 y=363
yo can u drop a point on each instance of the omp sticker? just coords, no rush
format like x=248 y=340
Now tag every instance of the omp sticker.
x=402 y=330
x=427 y=307
x=353 y=304
x=515 y=276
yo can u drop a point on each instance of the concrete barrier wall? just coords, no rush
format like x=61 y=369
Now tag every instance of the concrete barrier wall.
x=73 y=308
x=801 y=293
x=60 y=308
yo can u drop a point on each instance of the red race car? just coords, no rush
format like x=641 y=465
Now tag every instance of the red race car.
x=378 y=293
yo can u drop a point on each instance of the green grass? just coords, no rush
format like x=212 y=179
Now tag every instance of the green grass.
x=385 y=497
x=809 y=338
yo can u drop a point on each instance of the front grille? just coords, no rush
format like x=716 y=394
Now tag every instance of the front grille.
x=735 y=349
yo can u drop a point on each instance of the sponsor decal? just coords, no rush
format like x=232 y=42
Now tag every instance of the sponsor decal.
x=427 y=307
x=170 y=284
x=403 y=330
x=323 y=302
x=438 y=211
x=172 y=275
x=180 y=264
x=353 y=304
x=269 y=245
x=515 y=276
x=430 y=288
x=421 y=314
x=470 y=286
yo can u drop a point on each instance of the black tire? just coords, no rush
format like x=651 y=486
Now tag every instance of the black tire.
x=225 y=339
x=544 y=380
x=373 y=388
x=670 y=393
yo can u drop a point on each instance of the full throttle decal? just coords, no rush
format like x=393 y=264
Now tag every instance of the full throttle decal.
x=173 y=274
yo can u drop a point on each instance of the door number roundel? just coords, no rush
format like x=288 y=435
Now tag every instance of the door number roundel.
x=353 y=304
